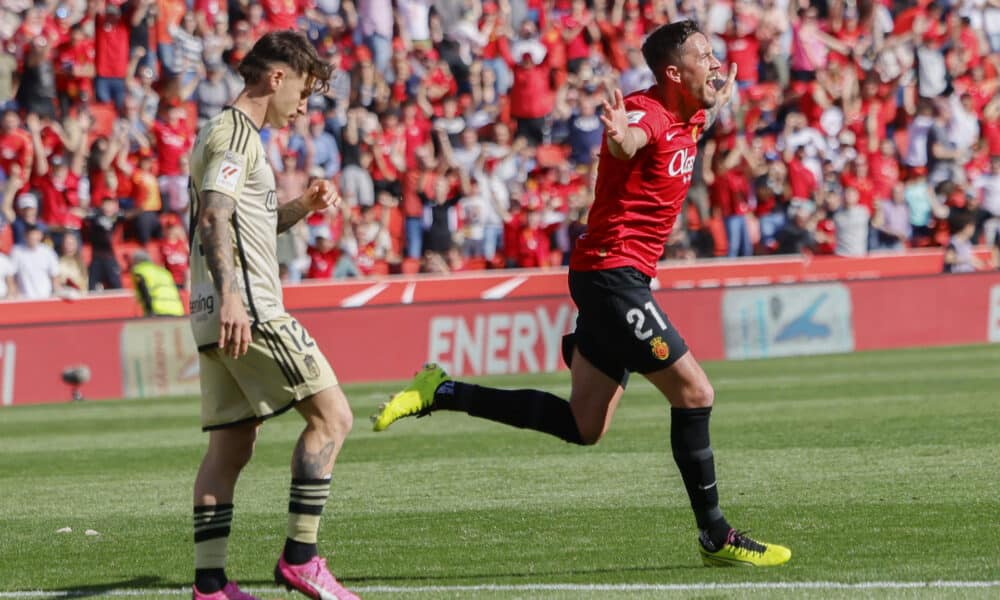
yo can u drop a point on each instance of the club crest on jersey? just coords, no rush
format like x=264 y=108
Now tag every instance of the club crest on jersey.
x=660 y=348
x=634 y=116
x=682 y=164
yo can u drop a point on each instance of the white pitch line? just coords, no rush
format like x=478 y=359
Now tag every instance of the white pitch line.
x=555 y=587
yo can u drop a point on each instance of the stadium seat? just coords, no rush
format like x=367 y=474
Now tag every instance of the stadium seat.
x=410 y=266
x=475 y=264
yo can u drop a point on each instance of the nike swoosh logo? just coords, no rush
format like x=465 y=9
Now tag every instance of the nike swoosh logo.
x=671 y=136
x=323 y=594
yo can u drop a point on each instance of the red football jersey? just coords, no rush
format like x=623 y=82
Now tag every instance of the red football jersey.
x=636 y=202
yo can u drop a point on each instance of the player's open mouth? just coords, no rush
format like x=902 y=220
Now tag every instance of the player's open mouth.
x=715 y=82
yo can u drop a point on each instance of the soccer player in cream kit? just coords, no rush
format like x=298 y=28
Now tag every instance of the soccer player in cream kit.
x=646 y=162
x=256 y=360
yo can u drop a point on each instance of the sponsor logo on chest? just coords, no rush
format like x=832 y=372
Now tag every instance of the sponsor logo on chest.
x=682 y=163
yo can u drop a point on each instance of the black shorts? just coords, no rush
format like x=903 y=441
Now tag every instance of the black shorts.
x=620 y=327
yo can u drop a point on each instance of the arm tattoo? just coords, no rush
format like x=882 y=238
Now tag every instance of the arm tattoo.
x=290 y=214
x=312 y=465
x=216 y=241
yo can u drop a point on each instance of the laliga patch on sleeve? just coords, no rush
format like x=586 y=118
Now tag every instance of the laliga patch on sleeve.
x=634 y=116
x=229 y=174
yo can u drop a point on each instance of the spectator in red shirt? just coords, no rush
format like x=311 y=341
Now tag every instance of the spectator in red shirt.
x=743 y=47
x=174 y=250
x=148 y=202
x=283 y=14
x=323 y=255
x=15 y=145
x=100 y=171
x=169 y=16
x=859 y=177
x=884 y=167
x=533 y=244
x=531 y=97
x=389 y=154
x=800 y=178
x=496 y=31
x=173 y=140
x=729 y=192
x=578 y=28
x=75 y=68
x=57 y=184
x=112 y=55
x=826 y=228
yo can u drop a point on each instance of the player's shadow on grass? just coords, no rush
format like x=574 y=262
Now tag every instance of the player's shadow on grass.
x=533 y=574
x=101 y=589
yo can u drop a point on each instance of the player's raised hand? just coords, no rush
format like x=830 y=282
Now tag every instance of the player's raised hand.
x=615 y=118
x=321 y=195
x=726 y=91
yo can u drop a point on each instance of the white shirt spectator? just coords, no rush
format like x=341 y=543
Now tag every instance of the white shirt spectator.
x=933 y=74
x=328 y=7
x=6 y=274
x=916 y=148
x=415 y=17
x=375 y=17
x=987 y=186
x=635 y=79
x=497 y=196
x=474 y=209
x=852 y=230
x=466 y=158
x=963 y=127
x=36 y=267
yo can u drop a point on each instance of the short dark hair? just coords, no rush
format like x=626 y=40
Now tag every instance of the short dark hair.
x=663 y=46
x=291 y=48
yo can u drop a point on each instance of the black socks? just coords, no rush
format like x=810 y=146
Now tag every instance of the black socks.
x=526 y=409
x=298 y=553
x=693 y=455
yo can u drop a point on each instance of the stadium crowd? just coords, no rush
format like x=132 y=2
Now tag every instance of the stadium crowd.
x=463 y=134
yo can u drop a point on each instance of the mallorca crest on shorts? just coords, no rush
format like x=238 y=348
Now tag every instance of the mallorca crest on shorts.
x=311 y=366
x=660 y=348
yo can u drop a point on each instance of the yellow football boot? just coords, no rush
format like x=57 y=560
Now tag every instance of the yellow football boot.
x=740 y=550
x=415 y=399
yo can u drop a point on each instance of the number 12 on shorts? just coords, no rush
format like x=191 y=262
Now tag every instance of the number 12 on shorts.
x=637 y=317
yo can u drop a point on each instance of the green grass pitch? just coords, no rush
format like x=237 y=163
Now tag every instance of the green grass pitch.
x=877 y=468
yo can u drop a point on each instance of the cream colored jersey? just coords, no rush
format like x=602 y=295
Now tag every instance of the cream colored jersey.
x=228 y=158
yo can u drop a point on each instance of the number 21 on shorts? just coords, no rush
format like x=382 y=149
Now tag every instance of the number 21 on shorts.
x=637 y=317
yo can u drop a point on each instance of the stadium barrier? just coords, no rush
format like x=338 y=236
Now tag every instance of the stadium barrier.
x=131 y=357
x=515 y=283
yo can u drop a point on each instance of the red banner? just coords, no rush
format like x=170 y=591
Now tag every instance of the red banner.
x=149 y=357
x=513 y=283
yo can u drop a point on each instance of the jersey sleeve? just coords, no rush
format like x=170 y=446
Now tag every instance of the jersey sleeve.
x=642 y=114
x=227 y=161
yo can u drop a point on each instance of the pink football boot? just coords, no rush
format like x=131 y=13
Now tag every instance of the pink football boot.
x=312 y=579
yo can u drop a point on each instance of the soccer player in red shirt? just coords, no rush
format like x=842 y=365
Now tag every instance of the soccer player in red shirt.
x=646 y=162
